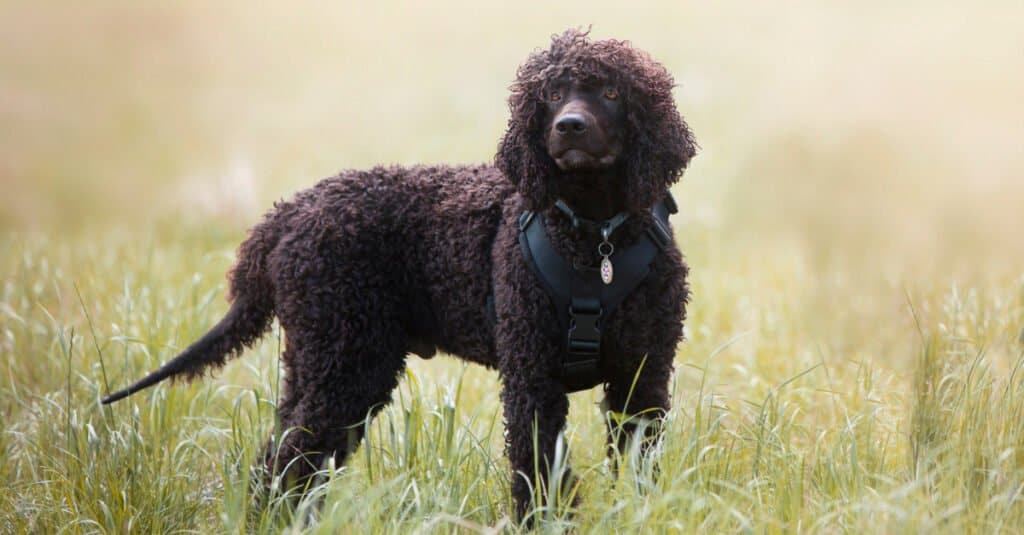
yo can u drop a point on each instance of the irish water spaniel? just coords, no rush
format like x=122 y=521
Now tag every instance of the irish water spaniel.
x=367 y=267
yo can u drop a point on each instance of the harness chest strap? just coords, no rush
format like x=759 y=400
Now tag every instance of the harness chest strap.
x=582 y=300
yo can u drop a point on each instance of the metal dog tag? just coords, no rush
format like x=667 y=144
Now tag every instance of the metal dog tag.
x=606 y=270
x=606 y=249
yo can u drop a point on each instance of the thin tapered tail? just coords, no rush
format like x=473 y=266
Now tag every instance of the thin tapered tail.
x=252 y=308
x=244 y=323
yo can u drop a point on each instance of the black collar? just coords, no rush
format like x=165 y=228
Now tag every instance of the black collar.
x=605 y=227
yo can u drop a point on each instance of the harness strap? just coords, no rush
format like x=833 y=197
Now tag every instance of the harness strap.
x=608 y=225
x=582 y=302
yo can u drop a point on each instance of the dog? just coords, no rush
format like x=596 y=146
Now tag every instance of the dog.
x=555 y=266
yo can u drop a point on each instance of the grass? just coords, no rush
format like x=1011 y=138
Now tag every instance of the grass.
x=855 y=347
x=788 y=441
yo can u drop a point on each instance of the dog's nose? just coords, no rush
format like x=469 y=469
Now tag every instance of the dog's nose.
x=571 y=123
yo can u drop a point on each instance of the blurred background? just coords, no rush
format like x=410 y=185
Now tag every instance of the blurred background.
x=851 y=152
x=864 y=121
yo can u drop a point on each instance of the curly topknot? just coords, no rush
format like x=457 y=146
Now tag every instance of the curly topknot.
x=659 y=144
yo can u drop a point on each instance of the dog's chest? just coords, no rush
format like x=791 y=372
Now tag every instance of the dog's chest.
x=586 y=298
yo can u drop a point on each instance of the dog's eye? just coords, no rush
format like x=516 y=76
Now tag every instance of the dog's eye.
x=554 y=96
x=611 y=93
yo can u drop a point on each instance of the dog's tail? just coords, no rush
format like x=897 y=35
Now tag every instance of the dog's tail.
x=251 y=311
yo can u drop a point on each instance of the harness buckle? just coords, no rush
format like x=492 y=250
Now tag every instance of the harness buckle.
x=584 y=332
x=580 y=367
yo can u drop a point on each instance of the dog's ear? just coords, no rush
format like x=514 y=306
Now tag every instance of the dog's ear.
x=660 y=145
x=522 y=156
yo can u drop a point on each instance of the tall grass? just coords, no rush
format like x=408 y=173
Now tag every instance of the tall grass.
x=838 y=444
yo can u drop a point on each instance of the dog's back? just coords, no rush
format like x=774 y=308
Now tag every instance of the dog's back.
x=421 y=236
x=414 y=240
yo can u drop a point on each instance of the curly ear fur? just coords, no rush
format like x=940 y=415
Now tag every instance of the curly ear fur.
x=522 y=154
x=659 y=144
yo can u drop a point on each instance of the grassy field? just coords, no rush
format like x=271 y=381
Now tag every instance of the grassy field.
x=855 y=349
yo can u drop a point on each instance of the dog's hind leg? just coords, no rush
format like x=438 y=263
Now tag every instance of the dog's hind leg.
x=332 y=387
x=339 y=302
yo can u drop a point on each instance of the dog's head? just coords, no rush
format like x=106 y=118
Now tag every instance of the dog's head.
x=593 y=109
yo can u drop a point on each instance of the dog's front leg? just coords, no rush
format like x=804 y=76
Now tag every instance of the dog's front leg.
x=637 y=401
x=638 y=396
x=535 y=407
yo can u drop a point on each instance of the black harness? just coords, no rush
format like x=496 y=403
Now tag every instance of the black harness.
x=584 y=297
